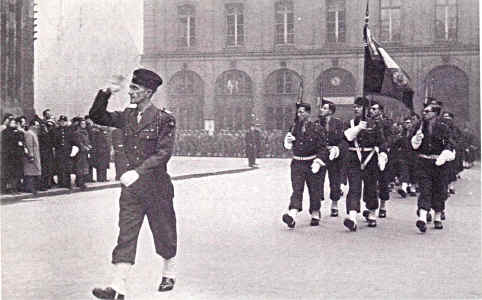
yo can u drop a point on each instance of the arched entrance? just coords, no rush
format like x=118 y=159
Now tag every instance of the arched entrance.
x=234 y=100
x=450 y=85
x=281 y=91
x=338 y=86
x=186 y=99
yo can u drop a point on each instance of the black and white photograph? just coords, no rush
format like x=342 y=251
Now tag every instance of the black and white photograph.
x=240 y=149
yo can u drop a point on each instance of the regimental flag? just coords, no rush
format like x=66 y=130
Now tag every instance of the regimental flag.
x=382 y=75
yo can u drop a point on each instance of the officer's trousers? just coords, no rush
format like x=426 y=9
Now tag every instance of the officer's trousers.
x=334 y=169
x=356 y=177
x=301 y=173
x=152 y=196
x=433 y=185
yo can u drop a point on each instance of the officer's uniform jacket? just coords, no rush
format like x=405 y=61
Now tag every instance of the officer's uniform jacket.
x=334 y=129
x=440 y=139
x=148 y=145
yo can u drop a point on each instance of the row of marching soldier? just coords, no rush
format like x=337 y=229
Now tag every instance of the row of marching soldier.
x=368 y=154
x=35 y=152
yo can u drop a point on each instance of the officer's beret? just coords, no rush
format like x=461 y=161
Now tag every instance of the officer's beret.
x=62 y=118
x=432 y=101
x=324 y=101
x=146 y=78
x=307 y=106
x=362 y=101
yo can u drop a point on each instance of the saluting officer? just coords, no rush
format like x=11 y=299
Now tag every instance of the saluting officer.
x=434 y=146
x=366 y=155
x=148 y=139
x=308 y=141
x=334 y=128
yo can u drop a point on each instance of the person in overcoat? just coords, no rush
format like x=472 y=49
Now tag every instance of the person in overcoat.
x=32 y=168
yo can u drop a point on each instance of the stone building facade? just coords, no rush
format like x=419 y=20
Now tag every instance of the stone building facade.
x=17 y=57
x=226 y=62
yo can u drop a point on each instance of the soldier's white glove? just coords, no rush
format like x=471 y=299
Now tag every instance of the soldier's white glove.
x=316 y=165
x=417 y=140
x=382 y=160
x=129 y=177
x=74 y=151
x=288 y=142
x=334 y=152
x=352 y=132
x=444 y=157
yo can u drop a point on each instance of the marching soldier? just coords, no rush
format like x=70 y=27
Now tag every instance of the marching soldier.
x=146 y=188
x=365 y=157
x=434 y=146
x=334 y=128
x=384 y=125
x=406 y=160
x=63 y=148
x=308 y=142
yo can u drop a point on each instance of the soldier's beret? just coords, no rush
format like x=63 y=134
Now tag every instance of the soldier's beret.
x=324 y=101
x=362 y=101
x=448 y=115
x=307 y=106
x=432 y=101
x=62 y=118
x=146 y=78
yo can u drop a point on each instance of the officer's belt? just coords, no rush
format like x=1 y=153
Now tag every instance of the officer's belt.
x=430 y=156
x=364 y=149
x=304 y=157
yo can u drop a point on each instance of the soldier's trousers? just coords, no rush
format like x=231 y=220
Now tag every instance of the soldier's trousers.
x=356 y=177
x=152 y=196
x=384 y=179
x=334 y=169
x=300 y=174
x=433 y=185
x=251 y=154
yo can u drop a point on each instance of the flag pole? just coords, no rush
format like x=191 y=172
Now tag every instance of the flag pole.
x=365 y=44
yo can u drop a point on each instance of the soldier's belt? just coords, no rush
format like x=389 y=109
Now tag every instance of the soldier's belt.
x=304 y=157
x=364 y=149
x=330 y=147
x=431 y=156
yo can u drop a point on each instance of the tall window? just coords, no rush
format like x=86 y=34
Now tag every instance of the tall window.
x=335 y=21
x=285 y=26
x=446 y=20
x=235 y=25
x=390 y=20
x=285 y=82
x=187 y=26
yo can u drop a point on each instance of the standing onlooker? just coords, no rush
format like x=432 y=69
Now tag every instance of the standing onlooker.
x=100 y=141
x=46 y=141
x=63 y=148
x=31 y=163
x=81 y=158
x=13 y=150
x=253 y=141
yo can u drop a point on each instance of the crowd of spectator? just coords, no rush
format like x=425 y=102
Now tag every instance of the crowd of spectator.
x=43 y=153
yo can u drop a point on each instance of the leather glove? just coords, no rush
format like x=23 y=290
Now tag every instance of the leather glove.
x=288 y=142
x=352 y=132
x=74 y=151
x=382 y=160
x=362 y=125
x=129 y=177
x=334 y=152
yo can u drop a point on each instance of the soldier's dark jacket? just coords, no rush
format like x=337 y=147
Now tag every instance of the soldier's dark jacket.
x=312 y=141
x=148 y=145
x=438 y=140
x=370 y=137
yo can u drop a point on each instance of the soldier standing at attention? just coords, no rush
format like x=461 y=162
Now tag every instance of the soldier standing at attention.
x=334 y=128
x=365 y=157
x=308 y=142
x=253 y=140
x=146 y=187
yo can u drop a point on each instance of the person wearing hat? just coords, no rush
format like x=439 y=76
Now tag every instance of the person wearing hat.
x=334 y=128
x=406 y=159
x=366 y=156
x=63 y=137
x=308 y=142
x=146 y=187
x=252 y=143
x=434 y=146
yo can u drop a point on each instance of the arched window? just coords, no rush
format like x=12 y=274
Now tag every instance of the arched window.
x=234 y=100
x=186 y=99
x=281 y=91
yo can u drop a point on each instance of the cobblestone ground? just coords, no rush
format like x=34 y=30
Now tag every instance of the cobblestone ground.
x=233 y=245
